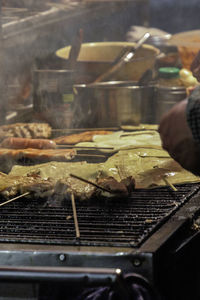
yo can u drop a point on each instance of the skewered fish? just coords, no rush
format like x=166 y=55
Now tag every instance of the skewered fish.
x=26 y=130
x=11 y=157
x=86 y=136
x=22 y=143
x=42 y=155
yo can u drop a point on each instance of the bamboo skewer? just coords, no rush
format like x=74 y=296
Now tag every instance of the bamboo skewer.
x=119 y=171
x=75 y=216
x=92 y=183
x=13 y=199
x=166 y=181
x=169 y=183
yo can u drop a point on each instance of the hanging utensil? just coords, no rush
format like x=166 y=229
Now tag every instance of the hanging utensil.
x=75 y=49
x=125 y=58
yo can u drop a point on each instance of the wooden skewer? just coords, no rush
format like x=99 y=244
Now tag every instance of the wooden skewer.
x=169 y=183
x=75 y=216
x=166 y=181
x=119 y=172
x=92 y=183
x=159 y=156
x=13 y=199
x=3 y=174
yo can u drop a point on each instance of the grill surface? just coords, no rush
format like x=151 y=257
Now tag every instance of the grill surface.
x=121 y=222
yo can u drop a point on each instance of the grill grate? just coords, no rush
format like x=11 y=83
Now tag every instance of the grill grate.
x=120 y=222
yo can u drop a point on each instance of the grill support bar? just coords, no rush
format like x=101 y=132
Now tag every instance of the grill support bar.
x=90 y=276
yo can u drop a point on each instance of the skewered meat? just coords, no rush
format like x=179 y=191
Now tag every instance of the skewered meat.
x=122 y=172
x=56 y=189
x=10 y=185
x=26 y=130
x=138 y=163
x=10 y=157
x=22 y=143
x=122 y=188
x=86 y=136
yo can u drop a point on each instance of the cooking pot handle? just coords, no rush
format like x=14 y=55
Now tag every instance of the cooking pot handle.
x=90 y=276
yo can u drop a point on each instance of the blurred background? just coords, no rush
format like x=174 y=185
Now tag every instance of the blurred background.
x=32 y=31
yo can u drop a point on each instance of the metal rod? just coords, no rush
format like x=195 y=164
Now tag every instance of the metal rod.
x=94 y=276
x=85 y=129
x=90 y=155
x=92 y=183
x=84 y=147
x=13 y=199
x=75 y=216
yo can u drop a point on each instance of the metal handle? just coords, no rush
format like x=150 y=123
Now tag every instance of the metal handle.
x=126 y=57
x=90 y=276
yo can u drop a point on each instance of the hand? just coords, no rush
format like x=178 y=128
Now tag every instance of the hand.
x=177 y=138
x=195 y=66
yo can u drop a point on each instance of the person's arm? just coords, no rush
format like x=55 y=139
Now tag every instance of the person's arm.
x=195 y=66
x=180 y=132
x=180 y=127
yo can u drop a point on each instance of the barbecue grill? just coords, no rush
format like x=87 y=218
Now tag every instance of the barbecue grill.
x=140 y=237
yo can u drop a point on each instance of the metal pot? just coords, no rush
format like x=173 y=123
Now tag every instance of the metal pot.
x=166 y=97
x=53 y=96
x=113 y=103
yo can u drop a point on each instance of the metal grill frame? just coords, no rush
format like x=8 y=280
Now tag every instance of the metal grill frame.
x=113 y=223
x=76 y=262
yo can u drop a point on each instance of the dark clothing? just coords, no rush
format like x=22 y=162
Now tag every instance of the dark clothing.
x=193 y=114
x=137 y=292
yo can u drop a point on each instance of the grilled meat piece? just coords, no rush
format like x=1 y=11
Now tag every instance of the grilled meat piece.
x=40 y=155
x=10 y=185
x=11 y=157
x=67 y=186
x=22 y=143
x=129 y=183
x=86 y=136
x=26 y=130
x=120 y=188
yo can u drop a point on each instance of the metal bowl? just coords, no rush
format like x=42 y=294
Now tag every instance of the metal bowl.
x=114 y=103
